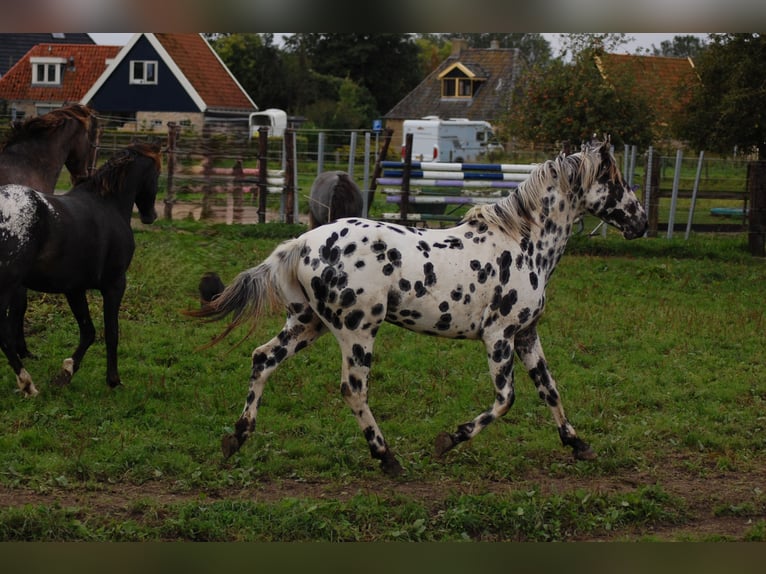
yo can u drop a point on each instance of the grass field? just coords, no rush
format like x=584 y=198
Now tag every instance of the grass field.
x=657 y=347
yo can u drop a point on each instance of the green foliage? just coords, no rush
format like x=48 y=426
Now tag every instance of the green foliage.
x=562 y=101
x=726 y=110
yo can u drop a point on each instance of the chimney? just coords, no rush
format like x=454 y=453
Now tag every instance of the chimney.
x=494 y=45
x=458 y=45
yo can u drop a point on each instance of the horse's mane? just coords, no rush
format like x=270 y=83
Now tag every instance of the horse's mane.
x=110 y=176
x=515 y=213
x=40 y=126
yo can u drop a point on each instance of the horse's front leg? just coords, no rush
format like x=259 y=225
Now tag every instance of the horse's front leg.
x=9 y=348
x=500 y=358
x=78 y=303
x=530 y=351
x=112 y=299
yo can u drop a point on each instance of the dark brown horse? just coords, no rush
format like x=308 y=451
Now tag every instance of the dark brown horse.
x=72 y=243
x=37 y=148
x=33 y=155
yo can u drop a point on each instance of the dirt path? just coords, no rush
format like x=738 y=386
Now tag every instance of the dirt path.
x=703 y=497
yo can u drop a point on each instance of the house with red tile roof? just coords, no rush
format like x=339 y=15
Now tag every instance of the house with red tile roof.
x=157 y=78
x=14 y=45
x=52 y=75
x=471 y=83
x=665 y=81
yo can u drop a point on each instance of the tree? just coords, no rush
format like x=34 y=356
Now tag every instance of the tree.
x=257 y=64
x=726 y=111
x=385 y=64
x=687 y=46
x=569 y=101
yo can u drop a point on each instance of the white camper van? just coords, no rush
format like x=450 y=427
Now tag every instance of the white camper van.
x=272 y=118
x=457 y=140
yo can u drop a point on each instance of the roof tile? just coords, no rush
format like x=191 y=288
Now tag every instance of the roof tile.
x=90 y=61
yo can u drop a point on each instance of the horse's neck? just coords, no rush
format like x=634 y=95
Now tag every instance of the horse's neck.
x=554 y=226
x=32 y=165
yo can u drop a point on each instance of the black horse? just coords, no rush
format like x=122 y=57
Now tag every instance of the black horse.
x=34 y=154
x=74 y=242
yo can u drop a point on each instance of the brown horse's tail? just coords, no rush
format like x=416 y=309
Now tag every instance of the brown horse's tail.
x=254 y=290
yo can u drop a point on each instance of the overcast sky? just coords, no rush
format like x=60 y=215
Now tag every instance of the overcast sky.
x=642 y=40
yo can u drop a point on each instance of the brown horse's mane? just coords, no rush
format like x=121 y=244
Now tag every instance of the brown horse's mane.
x=40 y=126
x=109 y=177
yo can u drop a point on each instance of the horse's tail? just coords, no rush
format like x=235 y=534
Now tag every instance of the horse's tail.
x=254 y=290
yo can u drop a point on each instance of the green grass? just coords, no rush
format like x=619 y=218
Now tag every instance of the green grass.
x=657 y=347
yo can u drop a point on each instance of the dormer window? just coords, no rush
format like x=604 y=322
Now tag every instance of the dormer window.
x=458 y=81
x=143 y=72
x=47 y=71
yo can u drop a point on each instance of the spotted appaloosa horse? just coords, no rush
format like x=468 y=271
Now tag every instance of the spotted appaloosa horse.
x=483 y=279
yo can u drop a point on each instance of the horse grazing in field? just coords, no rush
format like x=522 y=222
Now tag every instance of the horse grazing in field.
x=333 y=195
x=34 y=154
x=37 y=148
x=483 y=279
x=74 y=242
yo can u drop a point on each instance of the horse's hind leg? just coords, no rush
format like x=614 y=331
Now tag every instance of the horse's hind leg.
x=9 y=348
x=302 y=328
x=78 y=303
x=531 y=353
x=500 y=358
x=17 y=311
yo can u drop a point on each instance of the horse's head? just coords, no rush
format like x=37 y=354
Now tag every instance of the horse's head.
x=149 y=159
x=82 y=140
x=606 y=194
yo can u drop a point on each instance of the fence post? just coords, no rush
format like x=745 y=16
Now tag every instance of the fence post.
x=756 y=229
x=263 y=186
x=404 y=206
x=320 y=152
x=674 y=194
x=289 y=189
x=237 y=194
x=694 y=196
x=653 y=192
x=352 y=154
x=207 y=188
x=170 y=193
x=369 y=196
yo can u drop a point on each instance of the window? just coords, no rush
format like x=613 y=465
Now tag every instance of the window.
x=143 y=72
x=458 y=81
x=47 y=71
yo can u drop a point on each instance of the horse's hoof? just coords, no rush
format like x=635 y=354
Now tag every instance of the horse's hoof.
x=63 y=378
x=229 y=445
x=585 y=453
x=444 y=443
x=114 y=384
x=390 y=465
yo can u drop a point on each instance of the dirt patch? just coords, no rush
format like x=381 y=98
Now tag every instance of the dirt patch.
x=704 y=495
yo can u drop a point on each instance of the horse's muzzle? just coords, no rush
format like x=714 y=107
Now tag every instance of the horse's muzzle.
x=149 y=217
x=637 y=230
